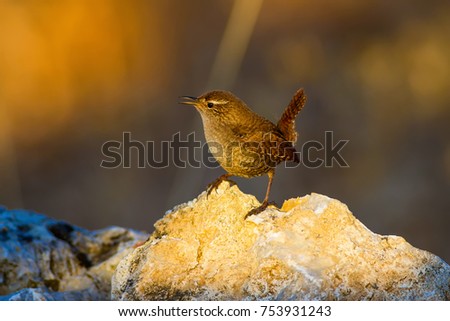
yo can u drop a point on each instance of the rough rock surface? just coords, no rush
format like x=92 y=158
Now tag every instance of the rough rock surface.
x=313 y=248
x=45 y=259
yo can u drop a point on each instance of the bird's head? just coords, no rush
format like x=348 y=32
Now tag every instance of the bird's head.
x=217 y=104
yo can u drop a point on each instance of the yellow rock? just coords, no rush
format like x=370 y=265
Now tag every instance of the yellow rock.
x=313 y=248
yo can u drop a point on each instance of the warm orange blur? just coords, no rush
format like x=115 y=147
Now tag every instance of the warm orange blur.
x=58 y=55
x=76 y=73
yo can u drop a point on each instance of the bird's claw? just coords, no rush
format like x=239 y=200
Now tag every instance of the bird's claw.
x=214 y=185
x=260 y=209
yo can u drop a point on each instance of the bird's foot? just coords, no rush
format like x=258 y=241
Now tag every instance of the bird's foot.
x=213 y=186
x=259 y=209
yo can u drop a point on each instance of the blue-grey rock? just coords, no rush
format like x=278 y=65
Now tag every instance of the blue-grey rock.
x=46 y=259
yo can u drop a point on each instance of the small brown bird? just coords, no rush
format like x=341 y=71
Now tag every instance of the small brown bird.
x=244 y=143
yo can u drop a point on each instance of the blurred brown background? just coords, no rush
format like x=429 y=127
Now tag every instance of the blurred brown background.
x=74 y=74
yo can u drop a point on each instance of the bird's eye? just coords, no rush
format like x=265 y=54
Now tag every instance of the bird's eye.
x=210 y=105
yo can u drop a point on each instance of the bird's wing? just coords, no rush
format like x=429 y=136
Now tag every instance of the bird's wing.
x=274 y=143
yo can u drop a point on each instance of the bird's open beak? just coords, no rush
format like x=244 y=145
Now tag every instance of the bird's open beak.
x=189 y=100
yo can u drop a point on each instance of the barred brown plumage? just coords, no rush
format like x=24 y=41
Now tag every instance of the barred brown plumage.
x=286 y=124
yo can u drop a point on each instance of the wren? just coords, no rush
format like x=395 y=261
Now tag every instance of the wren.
x=244 y=143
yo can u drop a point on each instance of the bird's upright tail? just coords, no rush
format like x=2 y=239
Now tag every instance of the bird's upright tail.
x=286 y=124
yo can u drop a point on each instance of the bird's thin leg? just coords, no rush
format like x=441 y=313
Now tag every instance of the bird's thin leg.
x=265 y=202
x=216 y=183
x=271 y=174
